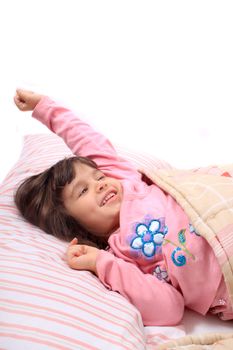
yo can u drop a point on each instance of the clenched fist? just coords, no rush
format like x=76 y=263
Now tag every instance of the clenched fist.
x=26 y=100
x=82 y=257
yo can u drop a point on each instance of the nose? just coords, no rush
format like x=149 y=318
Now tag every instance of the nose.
x=100 y=186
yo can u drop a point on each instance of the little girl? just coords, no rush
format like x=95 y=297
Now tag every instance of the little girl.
x=122 y=222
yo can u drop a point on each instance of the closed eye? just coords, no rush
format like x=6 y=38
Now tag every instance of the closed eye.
x=84 y=190
x=101 y=177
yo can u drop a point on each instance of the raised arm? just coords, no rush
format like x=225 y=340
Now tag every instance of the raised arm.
x=80 y=137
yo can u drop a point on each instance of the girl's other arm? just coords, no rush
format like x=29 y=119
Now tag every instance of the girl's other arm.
x=159 y=303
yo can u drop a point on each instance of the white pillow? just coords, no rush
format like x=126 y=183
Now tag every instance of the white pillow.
x=44 y=303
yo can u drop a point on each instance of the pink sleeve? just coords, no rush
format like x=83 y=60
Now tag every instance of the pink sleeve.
x=159 y=303
x=82 y=139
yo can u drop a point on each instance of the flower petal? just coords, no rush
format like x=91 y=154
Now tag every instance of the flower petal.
x=154 y=226
x=149 y=249
x=158 y=238
x=136 y=243
x=141 y=230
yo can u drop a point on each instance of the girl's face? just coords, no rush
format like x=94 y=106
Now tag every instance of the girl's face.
x=94 y=200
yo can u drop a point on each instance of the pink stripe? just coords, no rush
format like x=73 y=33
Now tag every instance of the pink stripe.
x=53 y=280
x=46 y=248
x=157 y=335
x=75 y=341
x=9 y=224
x=34 y=340
x=72 y=304
x=64 y=272
x=67 y=323
x=8 y=211
x=51 y=245
x=75 y=326
x=62 y=301
x=98 y=293
x=4 y=189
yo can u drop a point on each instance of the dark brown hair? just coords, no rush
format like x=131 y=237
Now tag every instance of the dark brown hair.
x=39 y=200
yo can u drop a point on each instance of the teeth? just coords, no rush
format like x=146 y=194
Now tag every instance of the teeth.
x=110 y=195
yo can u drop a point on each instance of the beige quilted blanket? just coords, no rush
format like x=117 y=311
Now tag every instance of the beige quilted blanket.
x=215 y=341
x=207 y=197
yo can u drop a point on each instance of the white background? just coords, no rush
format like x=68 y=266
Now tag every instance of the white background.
x=154 y=75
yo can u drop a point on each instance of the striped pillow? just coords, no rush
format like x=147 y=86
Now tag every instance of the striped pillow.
x=44 y=303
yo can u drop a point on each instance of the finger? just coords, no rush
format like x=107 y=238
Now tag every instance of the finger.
x=73 y=255
x=23 y=94
x=16 y=100
x=20 y=95
x=20 y=104
x=73 y=242
x=80 y=263
x=75 y=251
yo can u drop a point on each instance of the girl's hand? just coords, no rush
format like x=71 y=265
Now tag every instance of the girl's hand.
x=26 y=100
x=81 y=257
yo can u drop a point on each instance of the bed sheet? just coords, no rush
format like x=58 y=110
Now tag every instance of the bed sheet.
x=196 y=324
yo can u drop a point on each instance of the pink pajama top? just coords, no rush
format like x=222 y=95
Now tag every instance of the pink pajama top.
x=156 y=258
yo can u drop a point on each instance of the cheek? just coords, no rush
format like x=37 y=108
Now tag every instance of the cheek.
x=72 y=208
x=83 y=207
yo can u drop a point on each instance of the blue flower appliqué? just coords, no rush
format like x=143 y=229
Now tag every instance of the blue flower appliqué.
x=148 y=238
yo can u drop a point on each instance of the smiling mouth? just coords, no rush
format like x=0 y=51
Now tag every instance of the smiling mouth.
x=108 y=197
